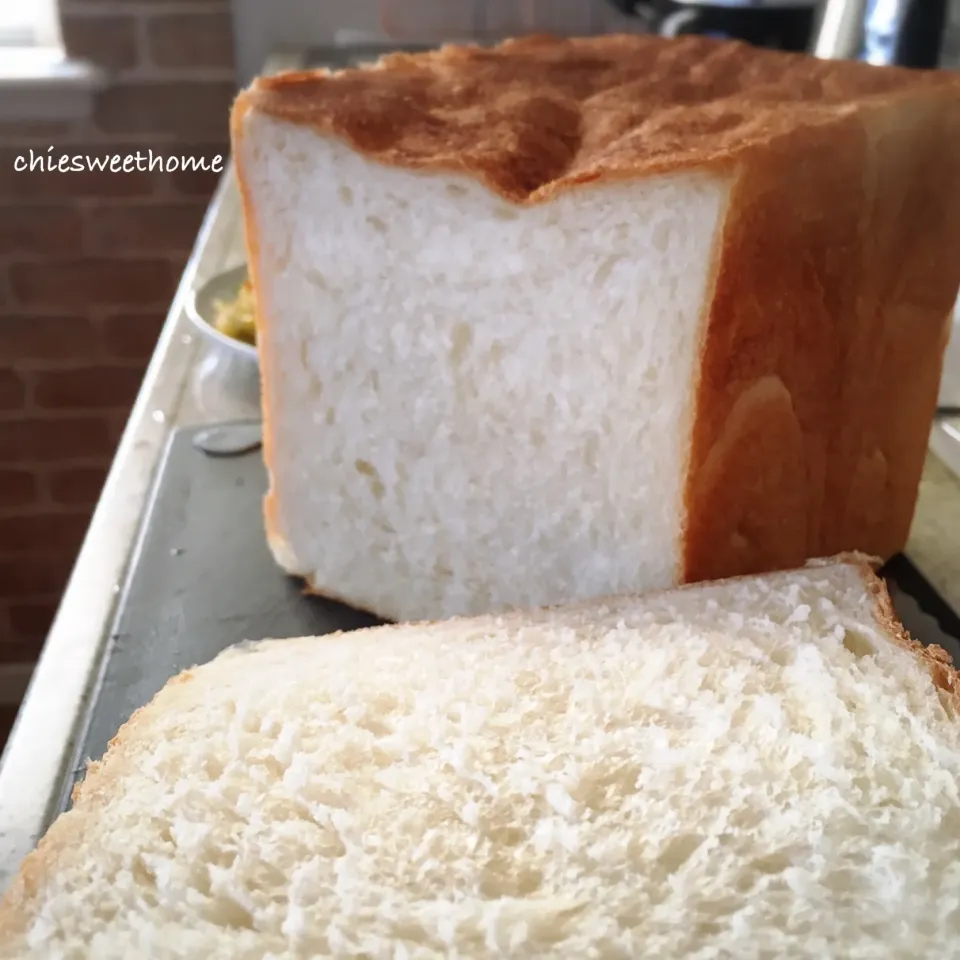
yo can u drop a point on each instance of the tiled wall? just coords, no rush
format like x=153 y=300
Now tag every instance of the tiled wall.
x=88 y=265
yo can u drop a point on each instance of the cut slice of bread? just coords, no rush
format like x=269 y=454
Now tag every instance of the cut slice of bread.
x=576 y=317
x=758 y=768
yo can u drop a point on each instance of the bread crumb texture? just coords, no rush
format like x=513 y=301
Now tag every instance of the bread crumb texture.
x=760 y=768
x=533 y=116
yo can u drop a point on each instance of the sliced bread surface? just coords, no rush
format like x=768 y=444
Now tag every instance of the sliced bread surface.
x=569 y=318
x=760 y=768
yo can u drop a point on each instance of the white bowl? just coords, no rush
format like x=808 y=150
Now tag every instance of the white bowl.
x=201 y=309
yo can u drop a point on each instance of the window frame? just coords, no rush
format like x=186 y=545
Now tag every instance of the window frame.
x=35 y=24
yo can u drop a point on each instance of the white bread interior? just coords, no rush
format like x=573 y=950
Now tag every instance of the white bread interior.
x=760 y=768
x=455 y=382
x=571 y=318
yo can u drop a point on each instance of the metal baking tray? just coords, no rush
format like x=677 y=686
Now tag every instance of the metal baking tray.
x=202 y=579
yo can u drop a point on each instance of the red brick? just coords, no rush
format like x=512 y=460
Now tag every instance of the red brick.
x=145 y=227
x=108 y=41
x=14 y=650
x=22 y=576
x=31 y=620
x=42 y=533
x=40 y=229
x=87 y=388
x=18 y=488
x=66 y=283
x=181 y=107
x=190 y=40
x=118 y=424
x=8 y=717
x=13 y=393
x=178 y=261
x=49 y=131
x=36 y=181
x=25 y=338
x=132 y=336
x=55 y=440
x=75 y=486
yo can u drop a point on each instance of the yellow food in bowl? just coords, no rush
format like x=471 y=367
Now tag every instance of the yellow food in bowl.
x=235 y=318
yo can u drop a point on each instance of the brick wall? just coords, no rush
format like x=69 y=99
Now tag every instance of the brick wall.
x=88 y=266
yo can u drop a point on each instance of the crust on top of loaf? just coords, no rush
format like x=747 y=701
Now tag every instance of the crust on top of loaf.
x=833 y=278
x=535 y=116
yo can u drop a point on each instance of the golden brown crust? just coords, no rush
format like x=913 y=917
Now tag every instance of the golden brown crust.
x=839 y=266
x=64 y=842
x=532 y=117
x=935 y=659
x=264 y=349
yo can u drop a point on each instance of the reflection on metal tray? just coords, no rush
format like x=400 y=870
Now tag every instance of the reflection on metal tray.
x=202 y=579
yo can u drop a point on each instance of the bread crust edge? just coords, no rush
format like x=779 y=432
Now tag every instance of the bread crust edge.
x=810 y=433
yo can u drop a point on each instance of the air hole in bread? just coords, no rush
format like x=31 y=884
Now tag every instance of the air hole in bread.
x=314 y=276
x=271 y=765
x=505 y=836
x=213 y=766
x=502 y=878
x=661 y=237
x=719 y=907
x=461 y=336
x=377 y=727
x=678 y=851
x=144 y=877
x=367 y=469
x=346 y=195
x=605 y=269
x=858 y=644
x=228 y=913
x=774 y=863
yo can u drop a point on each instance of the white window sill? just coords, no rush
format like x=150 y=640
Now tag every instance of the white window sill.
x=41 y=83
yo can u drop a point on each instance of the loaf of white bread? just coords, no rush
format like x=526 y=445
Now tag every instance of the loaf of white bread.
x=566 y=318
x=759 y=768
